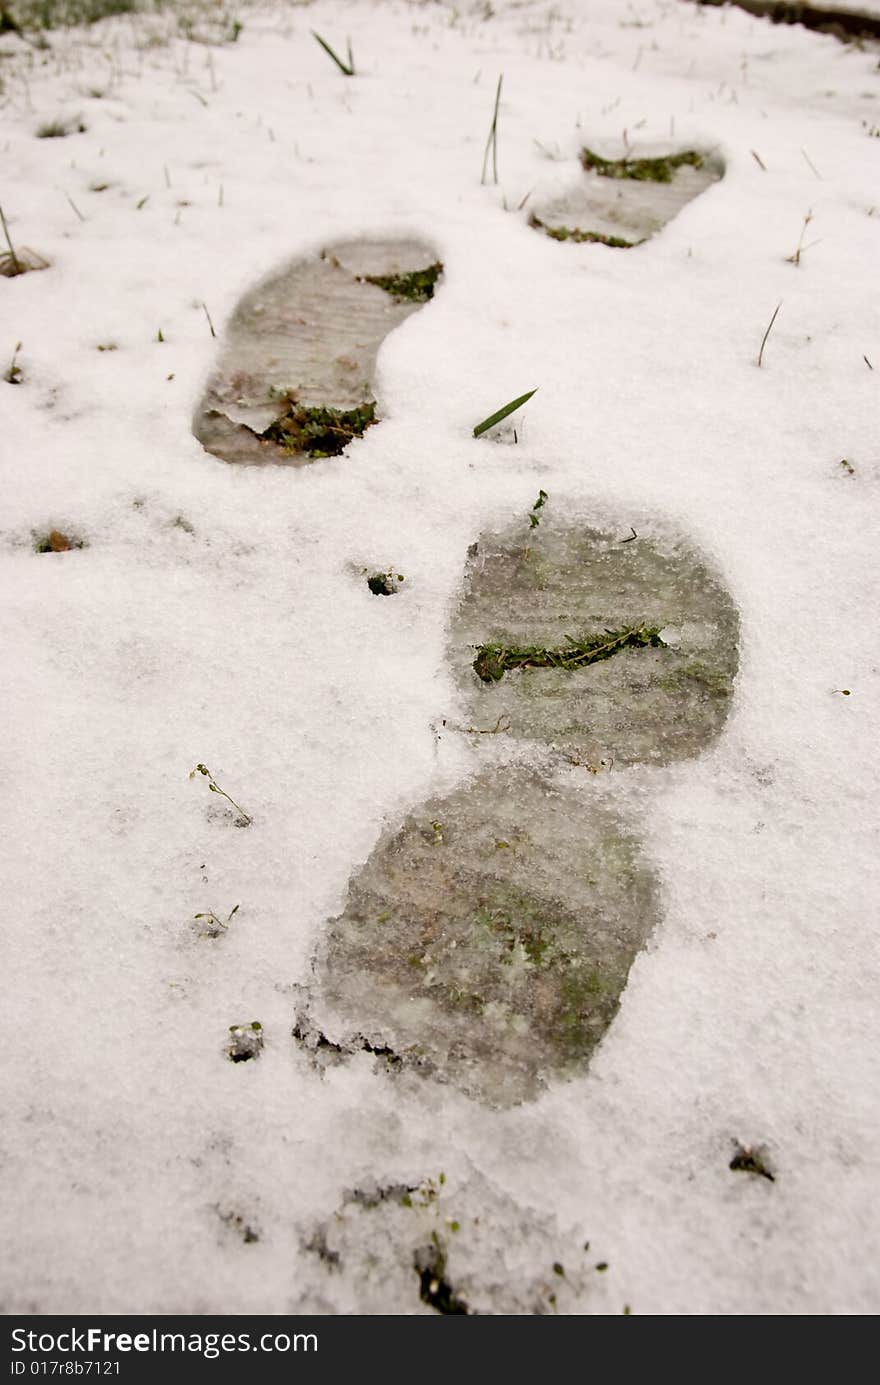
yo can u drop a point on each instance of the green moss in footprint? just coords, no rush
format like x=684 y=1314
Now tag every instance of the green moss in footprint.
x=657 y=170
x=416 y=287
x=623 y=202
x=319 y=432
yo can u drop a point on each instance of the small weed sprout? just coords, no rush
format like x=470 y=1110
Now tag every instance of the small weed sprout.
x=503 y=413
x=214 y=926
x=346 y=68
x=244 y=819
x=802 y=249
x=534 y=516
x=13 y=375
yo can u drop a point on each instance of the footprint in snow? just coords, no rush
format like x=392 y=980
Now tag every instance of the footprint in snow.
x=623 y=202
x=295 y=380
x=488 y=939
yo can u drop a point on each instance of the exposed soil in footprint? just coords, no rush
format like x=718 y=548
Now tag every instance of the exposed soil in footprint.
x=606 y=647
x=488 y=940
x=622 y=202
x=295 y=378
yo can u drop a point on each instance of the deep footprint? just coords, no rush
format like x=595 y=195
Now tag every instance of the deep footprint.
x=295 y=380
x=487 y=942
x=623 y=202
x=657 y=684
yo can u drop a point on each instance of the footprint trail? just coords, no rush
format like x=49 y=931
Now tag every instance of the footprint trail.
x=488 y=941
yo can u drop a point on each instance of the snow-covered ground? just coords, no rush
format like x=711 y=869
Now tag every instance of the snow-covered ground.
x=218 y=614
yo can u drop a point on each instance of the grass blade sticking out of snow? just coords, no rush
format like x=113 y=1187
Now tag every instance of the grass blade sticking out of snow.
x=492 y=141
x=13 y=375
x=346 y=68
x=767 y=333
x=15 y=265
x=14 y=262
x=503 y=412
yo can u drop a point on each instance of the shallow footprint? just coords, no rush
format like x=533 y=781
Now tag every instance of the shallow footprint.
x=605 y=645
x=623 y=202
x=295 y=378
x=487 y=941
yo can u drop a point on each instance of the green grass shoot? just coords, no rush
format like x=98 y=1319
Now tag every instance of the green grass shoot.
x=503 y=412
x=347 y=68
x=245 y=819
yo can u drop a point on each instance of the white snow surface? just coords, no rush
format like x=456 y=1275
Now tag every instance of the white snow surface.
x=245 y=638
